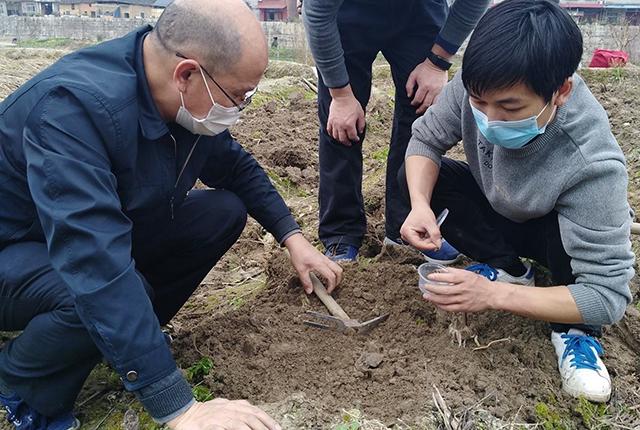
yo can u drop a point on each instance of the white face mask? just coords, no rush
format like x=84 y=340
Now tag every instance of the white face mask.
x=217 y=120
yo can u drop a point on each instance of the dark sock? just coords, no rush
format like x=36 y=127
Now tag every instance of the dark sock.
x=516 y=269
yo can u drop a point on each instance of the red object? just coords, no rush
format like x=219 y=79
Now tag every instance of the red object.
x=608 y=58
x=273 y=10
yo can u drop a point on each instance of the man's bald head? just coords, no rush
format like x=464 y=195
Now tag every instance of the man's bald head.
x=224 y=35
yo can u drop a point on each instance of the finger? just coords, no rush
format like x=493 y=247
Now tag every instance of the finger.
x=428 y=101
x=261 y=415
x=329 y=276
x=443 y=300
x=451 y=276
x=237 y=424
x=455 y=308
x=337 y=269
x=417 y=240
x=352 y=132
x=255 y=423
x=342 y=137
x=361 y=123
x=434 y=234
x=420 y=95
x=442 y=290
x=330 y=129
x=411 y=84
x=305 y=279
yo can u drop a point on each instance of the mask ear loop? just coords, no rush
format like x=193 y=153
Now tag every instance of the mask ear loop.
x=550 y=116
x=207 y=86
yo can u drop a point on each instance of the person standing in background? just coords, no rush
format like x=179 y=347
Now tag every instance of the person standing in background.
x=418 y=38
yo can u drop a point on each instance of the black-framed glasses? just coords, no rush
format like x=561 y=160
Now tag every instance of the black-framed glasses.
x=247 y=96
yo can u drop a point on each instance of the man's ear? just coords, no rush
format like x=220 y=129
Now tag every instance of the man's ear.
x=183 y=73
x=564 y=92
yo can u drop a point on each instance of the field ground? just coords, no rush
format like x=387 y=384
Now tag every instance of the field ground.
x=240 y=336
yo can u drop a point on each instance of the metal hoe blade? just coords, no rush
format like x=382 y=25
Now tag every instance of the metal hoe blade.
x=329 y=322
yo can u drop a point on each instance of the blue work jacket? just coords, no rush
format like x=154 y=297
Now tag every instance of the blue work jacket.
x=84 y=156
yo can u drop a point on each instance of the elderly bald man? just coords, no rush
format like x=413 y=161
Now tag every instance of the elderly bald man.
x=103 y=239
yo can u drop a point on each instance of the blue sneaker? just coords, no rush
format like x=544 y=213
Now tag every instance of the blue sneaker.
x=23 y=417
x=341 y=252
x=494 y=274
x=446 y=255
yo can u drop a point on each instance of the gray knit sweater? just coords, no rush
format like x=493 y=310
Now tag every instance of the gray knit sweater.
x=576 y=168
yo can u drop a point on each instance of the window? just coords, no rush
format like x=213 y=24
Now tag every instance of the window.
x=126 y=14
x=29 y=8
x=142 y=15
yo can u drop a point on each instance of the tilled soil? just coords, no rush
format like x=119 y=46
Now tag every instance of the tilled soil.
x=265 y=353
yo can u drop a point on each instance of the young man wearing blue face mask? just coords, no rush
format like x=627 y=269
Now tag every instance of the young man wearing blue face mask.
x=544 y=179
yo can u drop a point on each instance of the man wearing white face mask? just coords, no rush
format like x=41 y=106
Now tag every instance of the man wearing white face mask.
x=544 y=179
x=103 y=239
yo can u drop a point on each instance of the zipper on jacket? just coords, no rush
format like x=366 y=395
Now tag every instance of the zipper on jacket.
x=184 y=166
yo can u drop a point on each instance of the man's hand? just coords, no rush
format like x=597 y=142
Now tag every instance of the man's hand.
x=346 y=116
x=299 y=7
x=223 y=414
x=306 y=259
x=429 y=81
x=420 y=229
x=468 y=292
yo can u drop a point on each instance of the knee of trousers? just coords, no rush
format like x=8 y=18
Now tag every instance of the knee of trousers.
x=230 y=215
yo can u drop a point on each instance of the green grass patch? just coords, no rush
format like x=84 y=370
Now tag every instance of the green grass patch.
x=54 y=43
x=202 y=393
x=199 y=370
x=550 y=419
x=281 y=95
x=592 y=414
x=285 y=186
x=381 y=154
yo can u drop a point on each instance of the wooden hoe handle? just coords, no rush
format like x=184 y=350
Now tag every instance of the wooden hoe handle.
x=327 y=300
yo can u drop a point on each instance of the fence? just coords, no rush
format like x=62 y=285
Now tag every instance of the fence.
x=286 y=39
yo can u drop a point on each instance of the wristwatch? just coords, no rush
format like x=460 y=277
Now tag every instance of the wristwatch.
x=438 y=61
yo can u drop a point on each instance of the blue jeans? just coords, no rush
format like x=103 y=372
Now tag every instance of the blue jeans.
x=49 y=361
x=404 y=32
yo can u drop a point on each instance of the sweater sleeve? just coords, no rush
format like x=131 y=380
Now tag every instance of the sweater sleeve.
x=440 y=128
x=321 y=25
x=595 y=221
x=462 y=19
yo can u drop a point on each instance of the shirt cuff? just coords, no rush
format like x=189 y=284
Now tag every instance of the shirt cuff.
x=166 y=398
x=451 y=48
x=282 y=229
x=288 y=235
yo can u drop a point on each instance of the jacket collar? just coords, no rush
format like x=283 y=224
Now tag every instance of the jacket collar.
x=152 y=126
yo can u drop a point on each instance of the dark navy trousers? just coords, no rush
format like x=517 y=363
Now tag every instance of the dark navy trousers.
x=482 y=234
x=404 y=32
x=49 y=361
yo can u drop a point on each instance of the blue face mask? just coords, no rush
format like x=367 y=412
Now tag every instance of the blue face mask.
x=509 y=134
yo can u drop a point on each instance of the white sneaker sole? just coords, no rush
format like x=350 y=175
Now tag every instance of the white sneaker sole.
x=443 y=262
x=597 y=398
x=389 y=242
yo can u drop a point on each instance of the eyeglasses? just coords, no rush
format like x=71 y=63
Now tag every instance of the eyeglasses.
x=247 y=96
